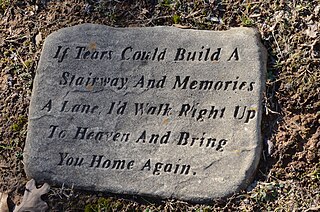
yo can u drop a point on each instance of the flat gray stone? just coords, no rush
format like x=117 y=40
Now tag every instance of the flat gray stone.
x=160 y=111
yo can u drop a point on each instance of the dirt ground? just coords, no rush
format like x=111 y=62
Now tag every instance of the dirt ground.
x=289 y=171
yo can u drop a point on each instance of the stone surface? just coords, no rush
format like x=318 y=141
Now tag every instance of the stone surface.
x=161 y=111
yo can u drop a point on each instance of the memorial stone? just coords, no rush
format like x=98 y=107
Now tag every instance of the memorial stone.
x=161 y=111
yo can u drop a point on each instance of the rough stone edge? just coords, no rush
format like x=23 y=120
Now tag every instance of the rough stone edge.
x=263 y=55
x=263 y=63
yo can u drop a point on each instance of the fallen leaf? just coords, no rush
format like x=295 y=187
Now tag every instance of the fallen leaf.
x=92 y=46
x=3 y=202
x=32 y=198
x=312 y=31
x=144 y=11
x=38 y=38
x=316 y=10
x=181 y=26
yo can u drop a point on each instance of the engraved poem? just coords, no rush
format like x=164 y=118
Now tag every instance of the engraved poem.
x=160 y=111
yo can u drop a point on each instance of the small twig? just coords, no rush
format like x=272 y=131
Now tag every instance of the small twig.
x=21 y=60
x=193 y=14
x=275 y=40
x=271 y=111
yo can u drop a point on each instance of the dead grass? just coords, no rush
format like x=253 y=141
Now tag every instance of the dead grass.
x=289 y=172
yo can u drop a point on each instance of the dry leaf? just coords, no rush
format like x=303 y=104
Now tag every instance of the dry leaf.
x=3 y=202
x=312 y=31
x=316 y=10
x=144 y=11
x=38 y=38
x=181 y=26
x=32 y=198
